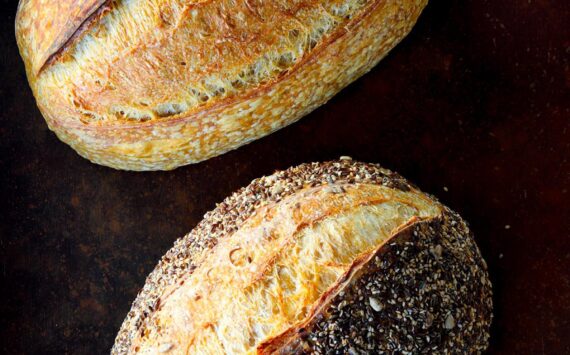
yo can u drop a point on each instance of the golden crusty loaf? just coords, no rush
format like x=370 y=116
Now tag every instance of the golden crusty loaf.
x=338 y=257
x=155 y=84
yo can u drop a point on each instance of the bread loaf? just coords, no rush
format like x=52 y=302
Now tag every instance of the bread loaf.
x=337 y=258
x=146 y=85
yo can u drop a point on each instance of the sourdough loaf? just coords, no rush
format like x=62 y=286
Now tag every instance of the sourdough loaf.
x=155 y=84
x=338 y=257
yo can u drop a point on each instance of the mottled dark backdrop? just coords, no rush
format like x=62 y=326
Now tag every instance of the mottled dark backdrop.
x=473 y=106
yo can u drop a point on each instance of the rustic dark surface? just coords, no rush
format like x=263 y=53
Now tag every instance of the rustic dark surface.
x=474 y=107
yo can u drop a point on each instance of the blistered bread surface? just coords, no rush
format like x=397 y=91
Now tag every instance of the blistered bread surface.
x=156 y=84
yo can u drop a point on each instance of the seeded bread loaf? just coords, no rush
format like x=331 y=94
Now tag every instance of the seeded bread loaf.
x=338 y=258
x=155 y=84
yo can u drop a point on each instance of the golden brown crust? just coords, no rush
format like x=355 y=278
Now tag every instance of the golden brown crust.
x=47 y=28
x=300 y=195
x=158 y=84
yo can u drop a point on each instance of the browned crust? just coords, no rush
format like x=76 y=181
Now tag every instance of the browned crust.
x=90 y=13
x=99 y=114
x=229 y=101
x=46 y=29
x=229 y=215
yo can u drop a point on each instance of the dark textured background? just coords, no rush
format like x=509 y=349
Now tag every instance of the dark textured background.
x=473 y=106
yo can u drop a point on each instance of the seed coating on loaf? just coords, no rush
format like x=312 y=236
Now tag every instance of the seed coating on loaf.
x=229 y=217
x=146 y=85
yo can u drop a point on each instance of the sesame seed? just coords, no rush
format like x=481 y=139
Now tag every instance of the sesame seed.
x=375 y=304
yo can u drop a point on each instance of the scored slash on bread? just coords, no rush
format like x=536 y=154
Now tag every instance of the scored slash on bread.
x=340 y=257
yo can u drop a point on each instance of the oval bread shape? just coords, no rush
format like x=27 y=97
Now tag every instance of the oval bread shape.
x=338 y=256
x=147 y=85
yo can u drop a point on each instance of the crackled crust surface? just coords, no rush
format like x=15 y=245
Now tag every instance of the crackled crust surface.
x=288 y=209
x=156 y=84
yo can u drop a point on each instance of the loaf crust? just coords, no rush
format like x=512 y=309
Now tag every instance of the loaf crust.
x=422 y=288
x=146 y=85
